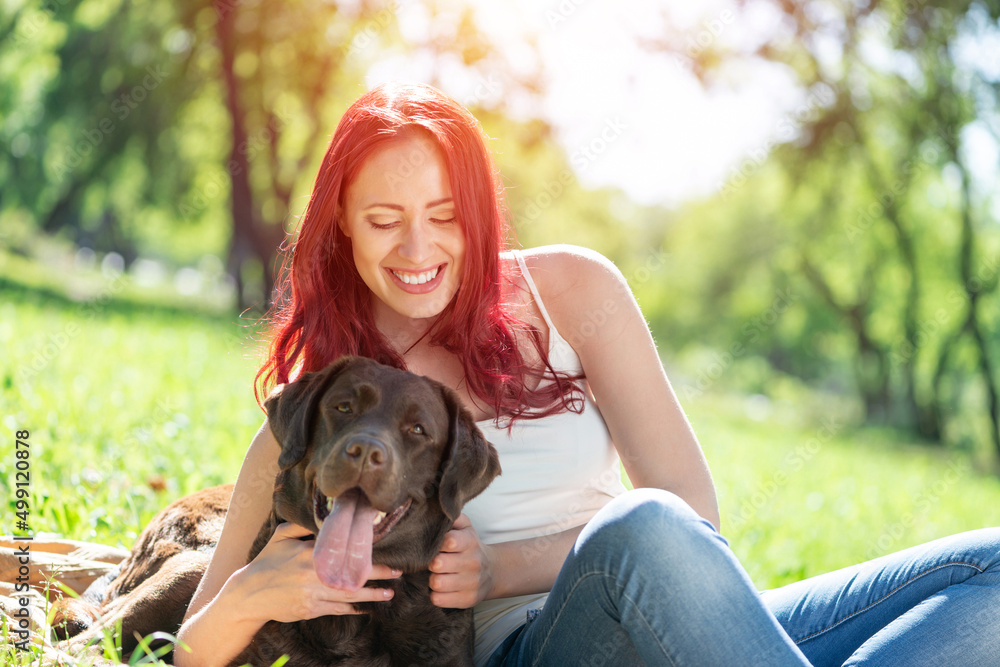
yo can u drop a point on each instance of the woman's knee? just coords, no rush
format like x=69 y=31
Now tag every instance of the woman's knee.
x=649 y=523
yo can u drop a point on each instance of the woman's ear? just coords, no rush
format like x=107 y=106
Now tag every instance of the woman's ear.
x=341 y=218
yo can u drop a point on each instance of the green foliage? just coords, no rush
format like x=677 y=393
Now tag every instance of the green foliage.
x=173 y=130
x=861 y=255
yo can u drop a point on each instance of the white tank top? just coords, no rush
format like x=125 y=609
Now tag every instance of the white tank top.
x=558 y=471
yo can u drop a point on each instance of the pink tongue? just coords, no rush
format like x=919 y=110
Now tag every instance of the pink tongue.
x=343 y=550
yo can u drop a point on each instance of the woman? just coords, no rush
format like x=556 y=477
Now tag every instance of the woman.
x=400 y=257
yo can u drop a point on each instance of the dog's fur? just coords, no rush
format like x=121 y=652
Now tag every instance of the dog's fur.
x=355 y=425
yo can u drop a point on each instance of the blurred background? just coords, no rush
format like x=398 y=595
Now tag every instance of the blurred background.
x=803 y=196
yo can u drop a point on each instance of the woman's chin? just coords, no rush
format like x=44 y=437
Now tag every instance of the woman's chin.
x=423 y=306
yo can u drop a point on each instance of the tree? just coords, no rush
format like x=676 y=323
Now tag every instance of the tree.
x=886 y=119
x=153 y=127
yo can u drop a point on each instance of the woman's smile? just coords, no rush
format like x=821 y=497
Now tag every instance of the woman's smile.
x=420 y=281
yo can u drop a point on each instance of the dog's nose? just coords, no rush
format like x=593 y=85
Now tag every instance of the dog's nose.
x=367 y=452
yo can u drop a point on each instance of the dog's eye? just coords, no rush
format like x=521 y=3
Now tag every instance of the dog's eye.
x=417 y=429
x=344 y=407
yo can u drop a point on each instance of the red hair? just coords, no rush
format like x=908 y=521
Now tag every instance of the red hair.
x=325 y=308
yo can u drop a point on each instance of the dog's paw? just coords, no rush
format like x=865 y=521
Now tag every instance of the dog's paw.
x=71 y=616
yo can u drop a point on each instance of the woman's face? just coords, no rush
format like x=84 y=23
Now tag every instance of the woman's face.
x=399 y=214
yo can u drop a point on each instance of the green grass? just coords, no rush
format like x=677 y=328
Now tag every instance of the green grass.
x=129 y=402
x=119 y=397
x=124 y=396
x=803 y=492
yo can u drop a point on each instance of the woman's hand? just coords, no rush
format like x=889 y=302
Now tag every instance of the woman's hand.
x=281 y=582
x=462 y=572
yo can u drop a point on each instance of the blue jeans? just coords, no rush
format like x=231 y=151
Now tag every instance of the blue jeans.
x=650 y=582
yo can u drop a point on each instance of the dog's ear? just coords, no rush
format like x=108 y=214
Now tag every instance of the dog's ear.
x=291 y=412
x=470 y=463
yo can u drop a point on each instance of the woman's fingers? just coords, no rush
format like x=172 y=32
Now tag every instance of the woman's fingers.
x=287 y=583
x=454 y=591
x=451 y=583
x=287 y=530
x=384 y=572
x=461 y=537
x=459 y=571
x=365 y=594
x=461 y=522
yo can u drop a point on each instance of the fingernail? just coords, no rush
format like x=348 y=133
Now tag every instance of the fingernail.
x=387 y=593
x=396 y=572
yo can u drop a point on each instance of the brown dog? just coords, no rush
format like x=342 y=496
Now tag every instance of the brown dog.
x=377 y=461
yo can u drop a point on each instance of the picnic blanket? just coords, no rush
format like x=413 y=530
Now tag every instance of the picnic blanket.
x=29 y=570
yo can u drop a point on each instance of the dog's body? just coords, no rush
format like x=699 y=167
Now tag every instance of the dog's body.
x=378 y=462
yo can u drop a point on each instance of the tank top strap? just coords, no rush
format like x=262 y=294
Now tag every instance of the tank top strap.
x=557 y=344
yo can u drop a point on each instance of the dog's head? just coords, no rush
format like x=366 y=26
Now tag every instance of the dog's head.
x=378 y=461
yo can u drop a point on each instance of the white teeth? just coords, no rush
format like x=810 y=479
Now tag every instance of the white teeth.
x=378 y=518
x=417 y=278
x=329 y=504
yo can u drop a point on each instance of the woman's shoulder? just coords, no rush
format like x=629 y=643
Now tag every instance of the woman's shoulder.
x=563 y=255
x=573 y=281
x=558 y=267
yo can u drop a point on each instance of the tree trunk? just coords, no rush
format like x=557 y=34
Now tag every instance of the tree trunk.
x=972 y=323
x=871 y=365
x=248 y=239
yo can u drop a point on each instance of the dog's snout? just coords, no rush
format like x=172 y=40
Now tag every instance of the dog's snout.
x=368 y=452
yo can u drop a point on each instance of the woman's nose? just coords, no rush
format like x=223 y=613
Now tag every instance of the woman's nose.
x=416 y=244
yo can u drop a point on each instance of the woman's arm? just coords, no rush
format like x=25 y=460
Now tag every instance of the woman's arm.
x=591 y=305
x=235 y=599
x=248 y=509
x=213 y=627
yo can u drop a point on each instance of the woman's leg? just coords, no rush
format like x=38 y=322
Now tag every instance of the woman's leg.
x=650 y=581
x=934 y=604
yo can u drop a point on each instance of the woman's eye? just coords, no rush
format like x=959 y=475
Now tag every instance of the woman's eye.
x=381 y=223
x=417 y=429
x=442 y=221
x=344 y=407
